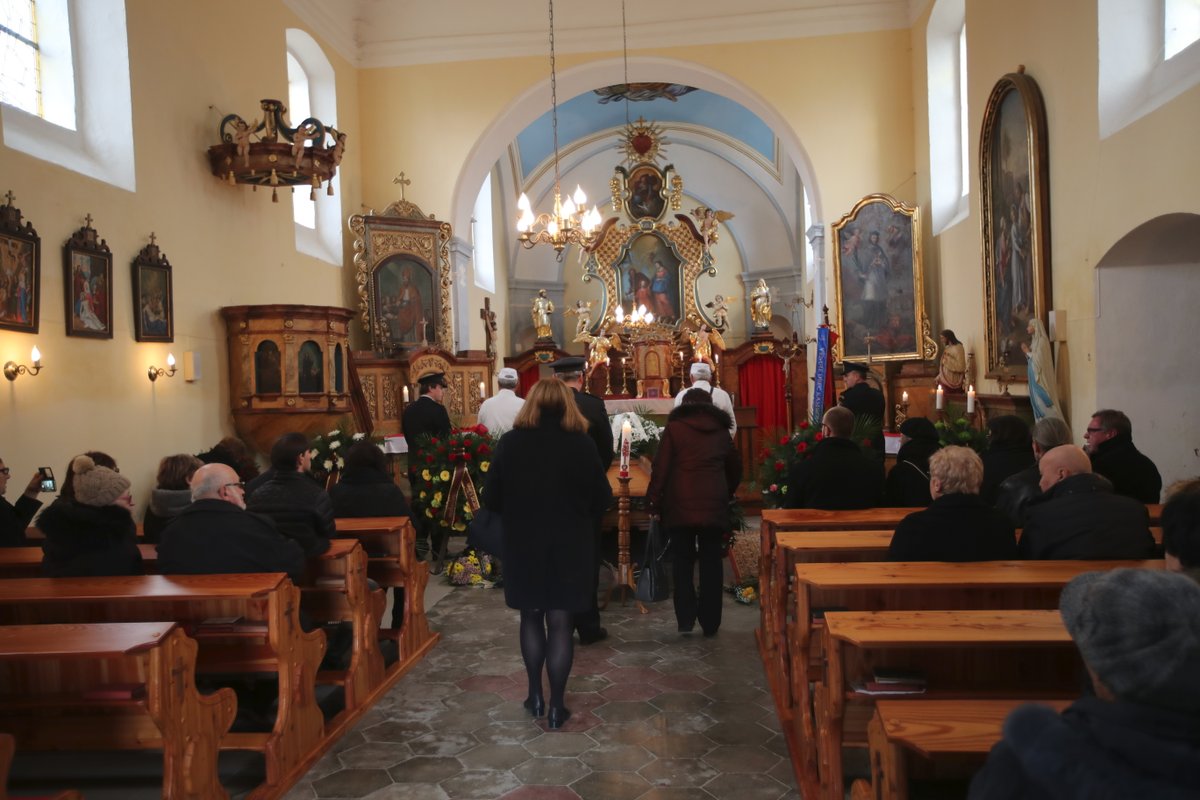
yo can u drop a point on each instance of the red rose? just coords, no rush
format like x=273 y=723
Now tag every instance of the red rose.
x=800 y=448
x=466 y=456
x=779 y=465
x=819 y=437
x=481 y=429
x=866 y=442
x=442 y=449
x=428 y=459
x=783 y=440
x=803 y=426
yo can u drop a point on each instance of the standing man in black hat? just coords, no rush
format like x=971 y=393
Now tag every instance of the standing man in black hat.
x=863 y=399
x=570 y=371
x=426 y=415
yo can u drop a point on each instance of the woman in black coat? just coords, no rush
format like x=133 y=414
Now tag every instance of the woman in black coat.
x=1010 y=450
x=549 y=487
x=908 y=482
x=696 y=472
x=365 y=488
x=94 y=533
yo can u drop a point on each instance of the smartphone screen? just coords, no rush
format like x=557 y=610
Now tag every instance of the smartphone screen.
x=48 y=483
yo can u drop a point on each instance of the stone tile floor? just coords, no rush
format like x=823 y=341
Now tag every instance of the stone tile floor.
x=656 y=715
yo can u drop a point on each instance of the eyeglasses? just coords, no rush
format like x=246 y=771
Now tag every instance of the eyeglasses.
x=1095 y=430
x=239 y=485
x=5 y=471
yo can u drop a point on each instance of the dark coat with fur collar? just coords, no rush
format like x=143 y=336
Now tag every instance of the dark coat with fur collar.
x=696 y=469
x=84 y=540
x=1095 y=750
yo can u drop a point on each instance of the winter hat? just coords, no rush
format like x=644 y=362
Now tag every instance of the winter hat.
x=919 y=428
x=1139 y=631
x=97 y=486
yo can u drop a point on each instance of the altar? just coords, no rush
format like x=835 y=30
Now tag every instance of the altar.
x=658 y=406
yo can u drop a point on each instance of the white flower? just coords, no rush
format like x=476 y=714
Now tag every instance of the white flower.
x=334 y=445
x=333 y=433
x=358 y=437
x=328 y=465
x=313 y=453
x=341 y=463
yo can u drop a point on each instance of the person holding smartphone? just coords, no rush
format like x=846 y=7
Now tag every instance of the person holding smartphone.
x=14 y=519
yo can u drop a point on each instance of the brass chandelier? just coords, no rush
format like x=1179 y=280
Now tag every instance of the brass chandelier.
x=570 y=222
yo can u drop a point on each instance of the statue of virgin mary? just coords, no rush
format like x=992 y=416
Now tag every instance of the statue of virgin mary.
x=1043 y=389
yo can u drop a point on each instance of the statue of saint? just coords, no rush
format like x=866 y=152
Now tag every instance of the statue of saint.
x=543 y=307
x=720 y=311
x=953 y=368
x=1043 y=388
x=760 y=305
x=583 y=314
x=703 y=341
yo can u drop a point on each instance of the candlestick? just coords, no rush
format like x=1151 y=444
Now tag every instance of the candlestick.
x=940 y=398
x=405 y=394
x=971 y=400
x=626 y=435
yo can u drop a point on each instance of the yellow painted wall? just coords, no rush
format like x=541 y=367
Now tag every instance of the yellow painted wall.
x=227 y=246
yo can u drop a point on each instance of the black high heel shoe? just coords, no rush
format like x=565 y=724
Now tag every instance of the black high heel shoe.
x=557 y=717
x=535 y=706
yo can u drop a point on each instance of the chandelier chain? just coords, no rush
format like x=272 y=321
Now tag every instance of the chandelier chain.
x=553 y=98
x=625 y=51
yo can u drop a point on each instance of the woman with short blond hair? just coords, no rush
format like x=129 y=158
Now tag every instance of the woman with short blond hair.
x=958 y=525
x=549 y=487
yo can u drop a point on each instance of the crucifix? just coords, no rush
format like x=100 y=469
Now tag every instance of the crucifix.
x=424 y=332
x=88 y=221
x=403 y=181
x=489 y=326
x=153 y=238
x=10 y=197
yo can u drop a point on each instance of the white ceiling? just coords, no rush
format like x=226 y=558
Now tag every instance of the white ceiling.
x=382 y=33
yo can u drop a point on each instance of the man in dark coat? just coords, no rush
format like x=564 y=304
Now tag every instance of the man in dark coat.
x=837 y=473
x=1079 y=516
x=425 y=416
x=294 y=501
x=570 y=371
x=958 y=525
x=1138 y=632
x=863 y=399
x=215 y=534
x=1018 y=489
x=14 y=519
x=1109 y=440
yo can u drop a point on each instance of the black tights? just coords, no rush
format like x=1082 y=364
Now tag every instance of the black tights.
x=546 y=640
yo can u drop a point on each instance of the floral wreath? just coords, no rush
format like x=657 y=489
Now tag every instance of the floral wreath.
x=437 y=495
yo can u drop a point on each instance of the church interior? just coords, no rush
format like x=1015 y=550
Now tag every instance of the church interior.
x=725 y=148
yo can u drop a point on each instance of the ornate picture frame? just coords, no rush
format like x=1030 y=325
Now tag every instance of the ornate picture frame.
x=1015 y=221
x=87 y=284
x=20 y=271
x=153 y=296
x=402 y=267
x=879 y=282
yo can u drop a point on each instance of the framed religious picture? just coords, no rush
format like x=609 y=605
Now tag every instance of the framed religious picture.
x=20 y=271
x=651 y=275
x=402 y=261
x=87 y=282
x=1015 y=217
x=153 y=298
x=879 y=282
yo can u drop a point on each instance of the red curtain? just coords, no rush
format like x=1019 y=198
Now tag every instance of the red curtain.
x=529 y=376
x=760 y=383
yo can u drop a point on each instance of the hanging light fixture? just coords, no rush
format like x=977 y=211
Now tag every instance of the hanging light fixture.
x=570 y=222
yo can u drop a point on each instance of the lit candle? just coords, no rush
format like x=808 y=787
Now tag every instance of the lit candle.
x=680 y=356
x=971 y=400
x=626 y=436
x=406 y=394
x=36 y=355
x=482 y=391
x=904 y=397
x=940 y=399
x=170 y=360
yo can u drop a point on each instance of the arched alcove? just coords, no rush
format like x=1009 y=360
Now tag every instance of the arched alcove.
x=1147 y=361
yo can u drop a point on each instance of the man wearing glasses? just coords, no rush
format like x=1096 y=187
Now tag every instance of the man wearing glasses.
x=216 y=534
x=1109 y=443
x=14 y=519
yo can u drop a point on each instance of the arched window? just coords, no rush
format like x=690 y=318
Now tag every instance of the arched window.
x=946 y=64
x=64 y=81
x=482 y=241
x=312 y=92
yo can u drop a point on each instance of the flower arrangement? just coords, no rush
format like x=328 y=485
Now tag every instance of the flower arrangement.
x=471 y=569
x=775 y=460
x=960 y=432
x=436 y=462
x=327 y=450
x=644 y=434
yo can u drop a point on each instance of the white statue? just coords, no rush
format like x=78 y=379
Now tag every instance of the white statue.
x=583 y=314
x=760 y=305
x=1043 y=388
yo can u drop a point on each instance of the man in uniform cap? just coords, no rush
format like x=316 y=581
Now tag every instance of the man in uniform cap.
x=862 y=398
x=570 y=370
x=425 y=415
x=498 y=411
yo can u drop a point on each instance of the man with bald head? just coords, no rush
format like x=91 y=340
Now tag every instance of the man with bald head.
x=1079 y=517
x=216 y=534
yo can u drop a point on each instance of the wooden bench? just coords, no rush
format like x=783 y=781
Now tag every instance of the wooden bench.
x=8 y=748
x=912 y=585
x=266 y=639
x=960 y=653
x=904 y=731
x=390 y=544
x=70 y=687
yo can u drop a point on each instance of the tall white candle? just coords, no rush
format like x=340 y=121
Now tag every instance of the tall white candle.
x=971 y=400
x=482 y=391
x=940 y=399
x=904 y=397
x=626 y=437
x=406 y=394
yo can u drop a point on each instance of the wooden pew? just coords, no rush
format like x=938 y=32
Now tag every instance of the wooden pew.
x=390 y=544
x=55 y=680
x=267 y=639
x=913 y=585
x=8 y=747
x=905 y=731
x=960 y=653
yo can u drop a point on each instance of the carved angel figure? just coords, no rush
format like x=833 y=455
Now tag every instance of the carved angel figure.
x=709 y=218
x=760 y=305
x=241 y=137
x=598 y=346
x=583 y=313
x=703 y=341
x=720 y=311
x=304 y=133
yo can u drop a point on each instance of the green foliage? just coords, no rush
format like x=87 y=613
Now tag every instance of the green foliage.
x=960 y=433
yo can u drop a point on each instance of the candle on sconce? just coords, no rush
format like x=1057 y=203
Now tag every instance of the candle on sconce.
x=971 y=400
x=904 y=397
x=940 y=398
x=405 y=394
x=626 y=436
x=36 y=356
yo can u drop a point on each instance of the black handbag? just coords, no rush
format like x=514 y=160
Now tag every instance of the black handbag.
x=652 y=580
x=485 y=532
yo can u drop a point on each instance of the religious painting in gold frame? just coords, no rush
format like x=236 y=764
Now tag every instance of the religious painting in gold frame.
x=402 y=268
x=1015 y=221
x=879 y=283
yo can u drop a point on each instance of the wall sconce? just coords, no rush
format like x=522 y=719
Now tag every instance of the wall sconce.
x=153 y=372
x=13 y=369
